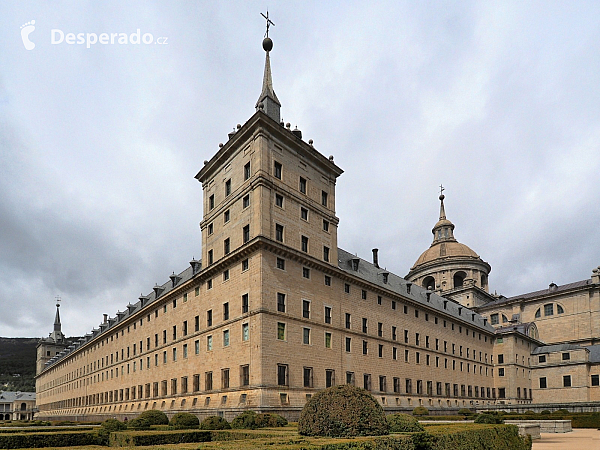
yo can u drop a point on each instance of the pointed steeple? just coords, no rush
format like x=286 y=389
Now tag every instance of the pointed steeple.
x=268 y=101
x=57 y=326
x=57 y=336
x=444 y=229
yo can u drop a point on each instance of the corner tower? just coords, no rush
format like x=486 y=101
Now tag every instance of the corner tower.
x=450 y=268
x=49 y=347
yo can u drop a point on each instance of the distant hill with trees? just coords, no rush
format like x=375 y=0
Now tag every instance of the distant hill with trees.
x=17 y=364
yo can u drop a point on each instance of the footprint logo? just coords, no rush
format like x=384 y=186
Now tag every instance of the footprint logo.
x=26 y=30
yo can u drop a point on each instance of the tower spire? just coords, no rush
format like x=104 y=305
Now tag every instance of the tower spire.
x=443 y=229
x=57 y=334
x=442 y=197
x=268 y=101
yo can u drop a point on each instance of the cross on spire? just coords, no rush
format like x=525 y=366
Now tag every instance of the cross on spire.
x=442 y=189
x=269 y=22
x=58 y=300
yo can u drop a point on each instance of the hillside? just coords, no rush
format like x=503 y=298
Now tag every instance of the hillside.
x=17 y=364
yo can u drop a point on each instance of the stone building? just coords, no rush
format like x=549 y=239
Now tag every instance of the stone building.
x=274 y=311
x=17 y=405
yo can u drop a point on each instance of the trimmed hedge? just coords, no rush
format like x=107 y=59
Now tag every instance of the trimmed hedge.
x=215 y=423
x=145 y=438
x=472 y=437
x=183 y=421
x=403 y=423
x=342 y=411
x=489 y=418
x=251 y=421
x=155 y=417
x=38 y=440
x=420 y=411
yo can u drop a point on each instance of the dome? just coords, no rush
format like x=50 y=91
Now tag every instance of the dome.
x=443 y=250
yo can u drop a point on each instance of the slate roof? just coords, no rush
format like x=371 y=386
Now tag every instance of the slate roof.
x=368 y=272
x=594 y=353
x=593 y=356
x=536 y=294
x=9 y=397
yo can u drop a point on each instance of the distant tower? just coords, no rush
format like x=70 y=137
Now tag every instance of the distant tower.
x=49 y=347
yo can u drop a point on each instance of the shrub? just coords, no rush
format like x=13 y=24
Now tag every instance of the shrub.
x=561 y=411
x=488 y=418
x=215 y=423
x=420 y=411
x=155 y=417
x=247 y=419
x=403 y=423
x=465 y=412
x=113 y=425
x=139 y=423
x=342 y=411
x=545 y=411
x=183 y=420
x=270 y=420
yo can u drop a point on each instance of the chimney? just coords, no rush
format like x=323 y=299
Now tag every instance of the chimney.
x=105 y=318
x=375 y=258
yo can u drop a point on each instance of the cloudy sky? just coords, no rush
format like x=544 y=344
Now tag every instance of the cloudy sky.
x=497 y=101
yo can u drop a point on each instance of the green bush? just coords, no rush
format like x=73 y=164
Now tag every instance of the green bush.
x=37 y=440
x=155 y=417
x=246 y=420
x=270 y=420
x=403 y=423
x=342 y=411
x=113 y=425
x=561 y=411
x=586 y=420
x=465 y=412
x=183 y=420
x=139 y=423
x=215 y=423
x=489 y=437
x=488 y=418
x=420 y=411
x=545 y=411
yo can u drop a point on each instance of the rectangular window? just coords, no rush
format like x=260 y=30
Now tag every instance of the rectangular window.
x=211 y=202
x=245 y=264
x=501 y=371
x=382 y=383
x=542 y=358
x=346 y=288
x=282 y=375
x=226 y=216
x=348 y=321
x=174 y=336
x=226 y=311
x=363 y=294
x=306 y=309
x=305 y=272
x=174 y=355
x=226 y=275
x=281 y=263
x=348 y=344
x=380 y=350
x=567 y=380
x=329 y=377
x=549 y=309
x=226 y=338
x=303 y=213
x=196 y=383
x=304 y=244
x=209 y=343
x=247 y=171
x=364 y=325
x=595 y=380
x=365 y=347
x=325 y=225
x=280 y=302
x=226 y=246
x=279 y=200
x=379 y=299
x=245 y=375
x=277 y=171
x=306 y=336
x=367 y=381
x=565 y=356
x=210 y=257
x=543 y=383
x=246 y=201
x=209 y=318
x=281 y=331
x=279 y=232
x=323 y=198
x=379 y=329
x=197 y=347
x=173 y=386
x=327 y=314
x=245 y=332
x=185 y=350
x=327 y=340
x=210 y=229
x=208 y=381
x=350 y=378
x=228 y=187
x=246 y=233
x=325 y=253
x=327 y=280
x=501 y=359
x=394 y=353
x=245 y=303
x=224 y=378
x=302 y=185
x=308 y=377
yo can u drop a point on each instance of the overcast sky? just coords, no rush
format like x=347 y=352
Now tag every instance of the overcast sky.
x=497 y=101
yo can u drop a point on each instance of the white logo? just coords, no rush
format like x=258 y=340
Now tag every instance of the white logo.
x=26 y=30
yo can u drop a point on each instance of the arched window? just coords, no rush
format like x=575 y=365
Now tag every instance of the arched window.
x=484 y=281
x=459 y=278
x=23 y=406
x=429 y=283
x=538 y=313
x=504 y=319
x=559 y=309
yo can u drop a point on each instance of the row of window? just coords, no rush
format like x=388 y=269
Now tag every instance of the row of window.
x=302 y=183
x=211 y=198
x=279 y=236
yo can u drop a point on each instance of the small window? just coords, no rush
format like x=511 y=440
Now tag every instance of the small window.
x=279 y=200
x=246 y=233
x=277 y=171
x=595 y=380
x=246 y=201
x=567 y=380
x=245 y=332
x=226 y=338
x=280 y=302
x=348 y=344
x=210 y=257
x=327 y=340
x=306 y=336
x=538 y=313
x=346 y=288
x=559 y=309
x=281 y=331
x=304 y=244
x=209 y=319
x=542 y=358
x=327 y=280
x=494 y=319
x=210 y=229
x=209 y=343
x=247 y=171
x=324 y=198
x=226 y=275
x=245 y=264
x=325 y=254
x=365 y=347
x=305 y=272
x=302 y=185
x=304 y=213
x=226 y=246
x=347 y=322
x=245 y=303
x=279 y=232
x=501 y=372
x=543 y=383
x=211 y=202
x=363 y=294
x=226 y=216
x=566 y=356
x=226 y=311
x=306 y=309
x=281 y=263
x=228 y=187
x=549 y=309
x=327 y=314
x=325 y=225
